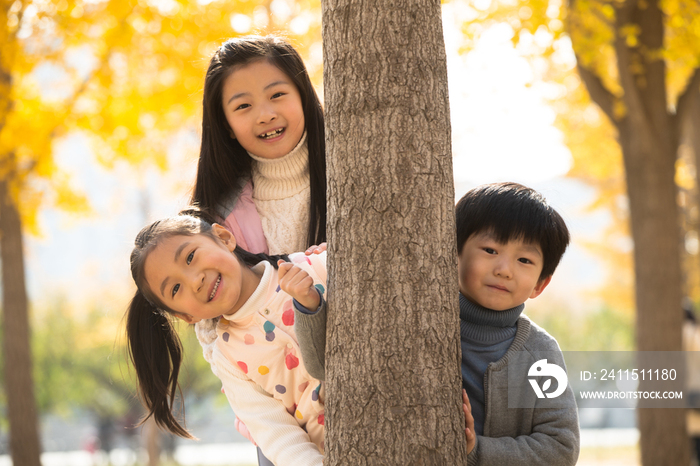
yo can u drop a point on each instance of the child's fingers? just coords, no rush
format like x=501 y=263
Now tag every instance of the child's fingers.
x=301 y=286
x=316 y=249
x=469 y=423
x=290 y=274
x=301 y=281
x=465 y=400
x=295 y=275
x=283 y=268
x=294 y=280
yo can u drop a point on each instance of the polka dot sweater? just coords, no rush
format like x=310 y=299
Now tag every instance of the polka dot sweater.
x=256 y=355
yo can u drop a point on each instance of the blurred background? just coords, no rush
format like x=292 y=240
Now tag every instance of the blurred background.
x=100 y=109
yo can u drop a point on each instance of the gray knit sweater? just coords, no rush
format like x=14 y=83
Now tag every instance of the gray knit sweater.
x=533 y=434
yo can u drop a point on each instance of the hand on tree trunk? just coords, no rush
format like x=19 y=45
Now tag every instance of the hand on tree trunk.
x=316 y=249
x=469 y=420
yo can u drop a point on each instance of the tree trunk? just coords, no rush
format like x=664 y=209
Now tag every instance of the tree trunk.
x=393 y=379
x=649 y=137
x=650 y=145
x=21 y=405
x=651 y=191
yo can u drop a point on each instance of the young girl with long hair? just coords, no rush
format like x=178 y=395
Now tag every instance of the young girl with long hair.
x=262 y=167
x=188 y=268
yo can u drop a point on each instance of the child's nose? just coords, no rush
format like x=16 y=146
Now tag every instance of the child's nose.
x=197 y=280
x=267 y=114
x=504 y=269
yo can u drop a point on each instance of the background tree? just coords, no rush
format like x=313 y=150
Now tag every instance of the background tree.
x=393 y=344
x=639 y=64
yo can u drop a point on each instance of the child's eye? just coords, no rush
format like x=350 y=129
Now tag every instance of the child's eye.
x=525 y=260
x=175 y=288
x=277 y=94
x=190 y=257
x=489 y=251
x=242 y=106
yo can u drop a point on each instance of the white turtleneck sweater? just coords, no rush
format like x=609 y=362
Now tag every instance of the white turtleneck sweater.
x=282 y=192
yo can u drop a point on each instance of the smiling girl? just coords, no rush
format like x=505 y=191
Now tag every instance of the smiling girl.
x=188 y=268
x=262 y=168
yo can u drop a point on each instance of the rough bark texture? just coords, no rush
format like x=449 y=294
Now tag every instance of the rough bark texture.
x=393 y=380
x=21 y=405
x=649 y=136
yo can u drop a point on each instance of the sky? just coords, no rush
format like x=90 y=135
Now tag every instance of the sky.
x=502 y=130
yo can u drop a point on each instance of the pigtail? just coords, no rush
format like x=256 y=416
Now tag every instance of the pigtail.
x=156 y=352
x=250 y=259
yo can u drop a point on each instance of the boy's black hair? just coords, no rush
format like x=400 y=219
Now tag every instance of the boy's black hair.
x=511 y=211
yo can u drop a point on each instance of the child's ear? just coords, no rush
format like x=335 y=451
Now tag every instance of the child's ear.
x=541 y=285
x=225 y=236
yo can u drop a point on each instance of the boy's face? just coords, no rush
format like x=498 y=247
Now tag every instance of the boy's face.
x=500 y=276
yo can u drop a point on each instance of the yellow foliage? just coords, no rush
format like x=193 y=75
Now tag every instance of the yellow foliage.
x=685 y=174
x=129 y=73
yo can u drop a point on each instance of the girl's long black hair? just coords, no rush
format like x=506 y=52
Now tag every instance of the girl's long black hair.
x=224 y=166
x=153 y=343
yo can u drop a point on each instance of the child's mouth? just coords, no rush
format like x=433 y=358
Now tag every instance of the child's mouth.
x=216 y=288
x=272 y=134
x=499 y=288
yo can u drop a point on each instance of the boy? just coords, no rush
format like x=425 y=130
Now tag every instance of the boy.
x=509 y=242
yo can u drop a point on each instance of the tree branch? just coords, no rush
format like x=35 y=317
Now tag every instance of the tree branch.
x=631 y=97
x=598 y=92
x=684 y=100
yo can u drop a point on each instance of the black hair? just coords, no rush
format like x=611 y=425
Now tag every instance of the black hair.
x=511 y=211
x=224 y=166
x=153 y=344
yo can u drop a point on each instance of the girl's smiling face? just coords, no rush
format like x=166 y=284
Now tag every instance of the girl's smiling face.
x=264 y=110
x=198 y=276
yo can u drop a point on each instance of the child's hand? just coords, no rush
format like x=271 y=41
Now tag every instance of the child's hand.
x=316 y=249
x=469 y=431
x=243 y=430
x=298 y=284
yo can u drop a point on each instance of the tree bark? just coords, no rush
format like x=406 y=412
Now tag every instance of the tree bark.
x=21 y=405
x=691 y=134
x=649 y=141
x=393 y=354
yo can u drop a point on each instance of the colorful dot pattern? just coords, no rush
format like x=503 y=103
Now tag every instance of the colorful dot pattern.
x=266 y=350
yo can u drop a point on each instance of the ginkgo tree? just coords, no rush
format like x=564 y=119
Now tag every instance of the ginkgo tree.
x=639 y=62
x=128 y=74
